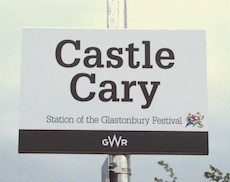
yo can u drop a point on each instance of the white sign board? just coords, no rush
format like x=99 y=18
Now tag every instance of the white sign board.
x=113 y=80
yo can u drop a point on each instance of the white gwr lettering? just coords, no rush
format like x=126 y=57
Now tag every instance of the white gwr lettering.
x=114 y=141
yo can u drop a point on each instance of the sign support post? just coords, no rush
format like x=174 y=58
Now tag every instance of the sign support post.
x=119 y=165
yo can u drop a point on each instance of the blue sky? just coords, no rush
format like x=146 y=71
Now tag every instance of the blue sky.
x=210 y=15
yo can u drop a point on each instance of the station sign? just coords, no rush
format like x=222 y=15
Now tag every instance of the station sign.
x=113 y=91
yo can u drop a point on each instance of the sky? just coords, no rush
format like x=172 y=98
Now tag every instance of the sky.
x=210 y=15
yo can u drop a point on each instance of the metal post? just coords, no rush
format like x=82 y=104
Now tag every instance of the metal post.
x=119 y=165
x=116 y=14
x=119 y=168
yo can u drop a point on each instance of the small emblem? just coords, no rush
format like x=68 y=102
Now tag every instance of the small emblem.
x=195 y=120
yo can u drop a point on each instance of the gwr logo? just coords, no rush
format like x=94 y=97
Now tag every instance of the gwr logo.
x=119 y=142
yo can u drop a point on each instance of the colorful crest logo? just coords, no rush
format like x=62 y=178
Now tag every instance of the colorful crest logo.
x=195 y=120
